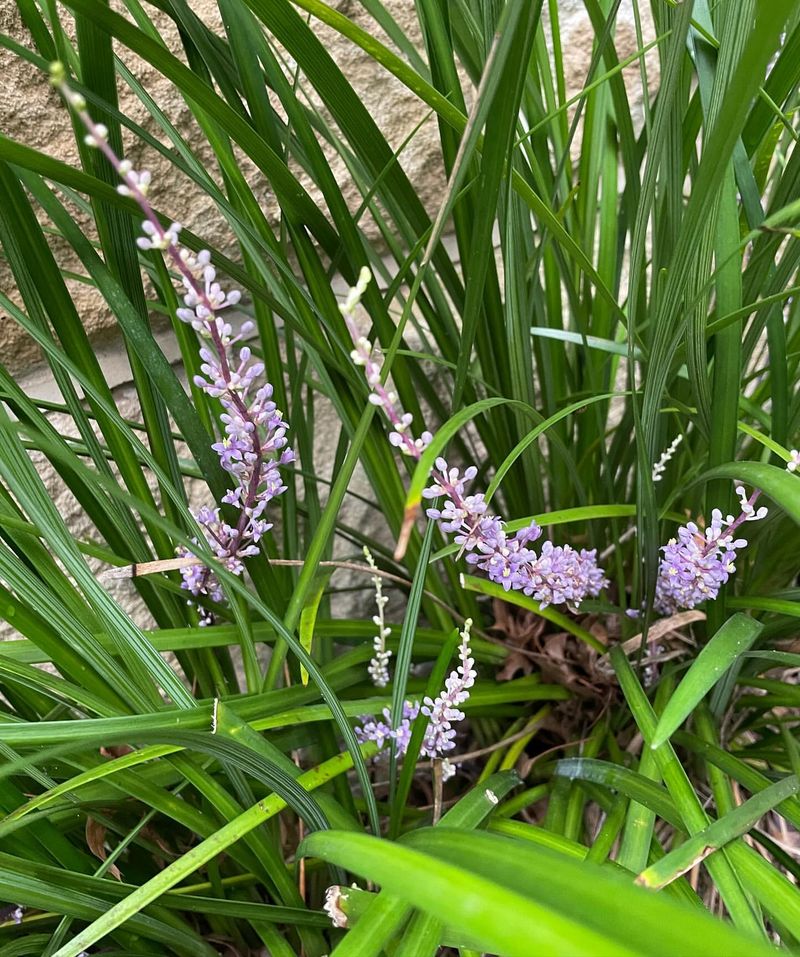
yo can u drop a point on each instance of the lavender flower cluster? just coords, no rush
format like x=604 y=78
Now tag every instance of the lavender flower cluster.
x=254 y=443
x=558 y=574
x=381 y=731
x=441 y=713
x=696 y=564
x=251 y=451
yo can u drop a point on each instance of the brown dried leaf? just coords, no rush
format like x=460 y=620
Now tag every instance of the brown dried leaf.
x=599 y=630
x=96 y=841
x=116 y=750
x=151 y=834
x=515 y=663
x=666 y=626
x=520 y=630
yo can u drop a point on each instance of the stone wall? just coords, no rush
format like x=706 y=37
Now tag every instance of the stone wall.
x=31 y=112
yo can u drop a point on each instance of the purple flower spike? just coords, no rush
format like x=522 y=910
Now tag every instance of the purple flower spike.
x=254 y=444
x=445 y=708
x=696 y=564
x=558 y=575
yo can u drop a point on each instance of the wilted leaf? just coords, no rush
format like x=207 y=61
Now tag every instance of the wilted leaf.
x=96 y=839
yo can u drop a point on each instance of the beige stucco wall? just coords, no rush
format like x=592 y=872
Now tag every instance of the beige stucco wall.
x=31 y=112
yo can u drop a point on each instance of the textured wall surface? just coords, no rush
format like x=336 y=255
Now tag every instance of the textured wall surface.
x=30 y=111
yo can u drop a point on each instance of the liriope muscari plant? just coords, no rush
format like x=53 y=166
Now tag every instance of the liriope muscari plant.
x=558 y=574
x=695 y=564
x=254 y=447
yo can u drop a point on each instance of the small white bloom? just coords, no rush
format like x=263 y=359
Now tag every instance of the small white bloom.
x=448 y=769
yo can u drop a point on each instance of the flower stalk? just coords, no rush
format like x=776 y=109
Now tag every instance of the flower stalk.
x=697 y=563
x=558 y=574
x=378 y=669
x=253 y=446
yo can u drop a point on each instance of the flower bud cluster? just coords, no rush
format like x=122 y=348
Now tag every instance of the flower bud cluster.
x=140 y=182
x=378 y=669
x=697 y=563
x=154 y=238
x=440 y=712
x=254 y=444
x=661 y=465
x=445 y=709
x=381 y=732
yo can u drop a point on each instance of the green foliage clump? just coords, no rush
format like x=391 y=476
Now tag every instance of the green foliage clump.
x=590 y=289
